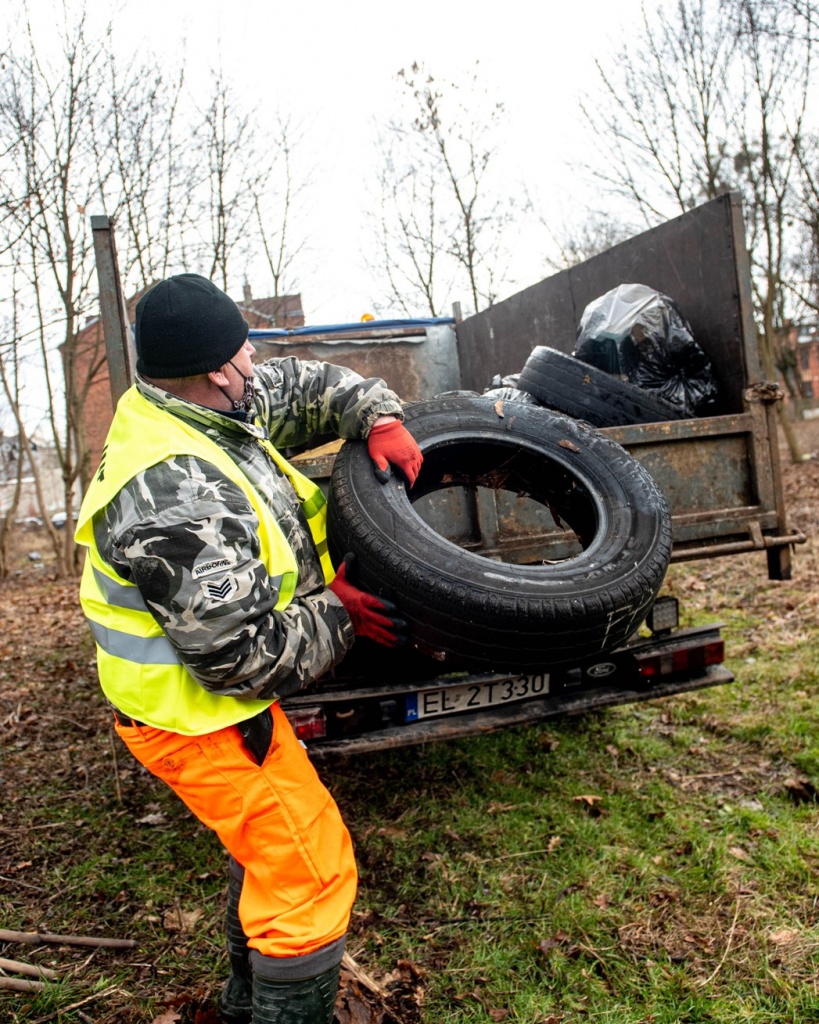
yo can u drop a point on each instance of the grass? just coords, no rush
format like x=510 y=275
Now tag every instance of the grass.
x=650 y=863
x=660 y=897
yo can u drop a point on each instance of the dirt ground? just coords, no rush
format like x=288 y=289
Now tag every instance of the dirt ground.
x=44 y=650
x=801 y=481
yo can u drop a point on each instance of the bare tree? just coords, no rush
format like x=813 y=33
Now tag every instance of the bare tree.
x=775 y=94
x=667 y=101
x=11 y=464
x=442 y=222
x=582 y=239
x=12 y=375
x=277 y=193
x=77 y=133
x=224 y=142
x=11 y=471
x=410 y=234
x=49 y=116
x=150 y=190
x=714 y=96
x=82 y=132
x=805 y=269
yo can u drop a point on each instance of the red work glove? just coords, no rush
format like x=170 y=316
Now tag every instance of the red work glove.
x=391 y=442
x=370 y=615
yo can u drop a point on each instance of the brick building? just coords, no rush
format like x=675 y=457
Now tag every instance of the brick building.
x=98 y=409
x=279 y=311
x=807 y=354
x=283 y=311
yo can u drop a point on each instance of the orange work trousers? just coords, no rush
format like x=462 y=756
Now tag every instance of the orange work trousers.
x=277 y=820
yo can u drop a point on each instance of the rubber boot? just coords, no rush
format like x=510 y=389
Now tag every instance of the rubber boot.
x=310 y=1001
x=237 y=995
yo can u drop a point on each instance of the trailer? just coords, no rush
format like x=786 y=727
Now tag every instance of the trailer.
x=720 y=476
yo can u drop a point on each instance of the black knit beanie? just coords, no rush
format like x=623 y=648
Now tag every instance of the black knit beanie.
x=186 y=325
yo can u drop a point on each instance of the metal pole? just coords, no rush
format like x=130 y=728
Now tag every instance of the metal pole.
x=119 y=349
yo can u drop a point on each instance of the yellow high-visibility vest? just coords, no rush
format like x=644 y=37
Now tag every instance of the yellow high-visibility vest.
x=139 y=670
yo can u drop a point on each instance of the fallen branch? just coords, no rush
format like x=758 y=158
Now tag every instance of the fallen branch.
x=25 y=885
x=509 y=856
x=64 y=940
x=19 y=985
x=362 y=977
x=31 y=970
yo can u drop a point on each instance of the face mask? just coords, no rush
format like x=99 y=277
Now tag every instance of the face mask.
x=245 y=403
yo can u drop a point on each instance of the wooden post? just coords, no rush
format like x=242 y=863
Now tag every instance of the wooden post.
x=119 y=348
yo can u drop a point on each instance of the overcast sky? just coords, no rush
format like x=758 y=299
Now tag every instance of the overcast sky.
x=333 y=67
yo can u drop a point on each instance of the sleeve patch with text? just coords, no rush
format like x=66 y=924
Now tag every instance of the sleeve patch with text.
x=208 y=568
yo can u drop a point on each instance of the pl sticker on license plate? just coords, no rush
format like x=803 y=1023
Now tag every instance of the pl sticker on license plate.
x=449 y=700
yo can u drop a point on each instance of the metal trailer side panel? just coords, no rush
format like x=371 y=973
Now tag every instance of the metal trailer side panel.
x=721 y=474
x=418 y=362
x=698 y=259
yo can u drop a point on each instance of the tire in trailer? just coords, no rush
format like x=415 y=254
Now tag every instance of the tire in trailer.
x=570 y=386
x=471 y=611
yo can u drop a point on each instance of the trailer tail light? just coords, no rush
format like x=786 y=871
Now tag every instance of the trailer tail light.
x=308 y=723
x=682 y=659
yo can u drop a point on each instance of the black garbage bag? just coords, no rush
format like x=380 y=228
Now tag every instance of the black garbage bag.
x=506 y=388
x=639 y=334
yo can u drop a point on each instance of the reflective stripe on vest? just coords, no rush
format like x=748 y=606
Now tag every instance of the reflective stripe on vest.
x=153 y=650
x=139 y=669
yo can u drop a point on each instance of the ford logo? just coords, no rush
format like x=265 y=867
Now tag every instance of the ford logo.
x=601 y=670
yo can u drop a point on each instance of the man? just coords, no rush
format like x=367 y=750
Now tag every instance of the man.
x=210 y=595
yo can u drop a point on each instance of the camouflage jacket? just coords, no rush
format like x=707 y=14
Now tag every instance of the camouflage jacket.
x=157 y=527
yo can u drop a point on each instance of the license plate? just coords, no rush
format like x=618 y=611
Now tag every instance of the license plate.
x=449 y=700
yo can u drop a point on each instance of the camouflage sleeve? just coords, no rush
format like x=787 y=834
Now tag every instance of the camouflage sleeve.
x=297 y=400
x=187 y=537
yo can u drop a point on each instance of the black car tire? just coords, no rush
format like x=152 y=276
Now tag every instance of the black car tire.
x=570 y=386
x=467 y=610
